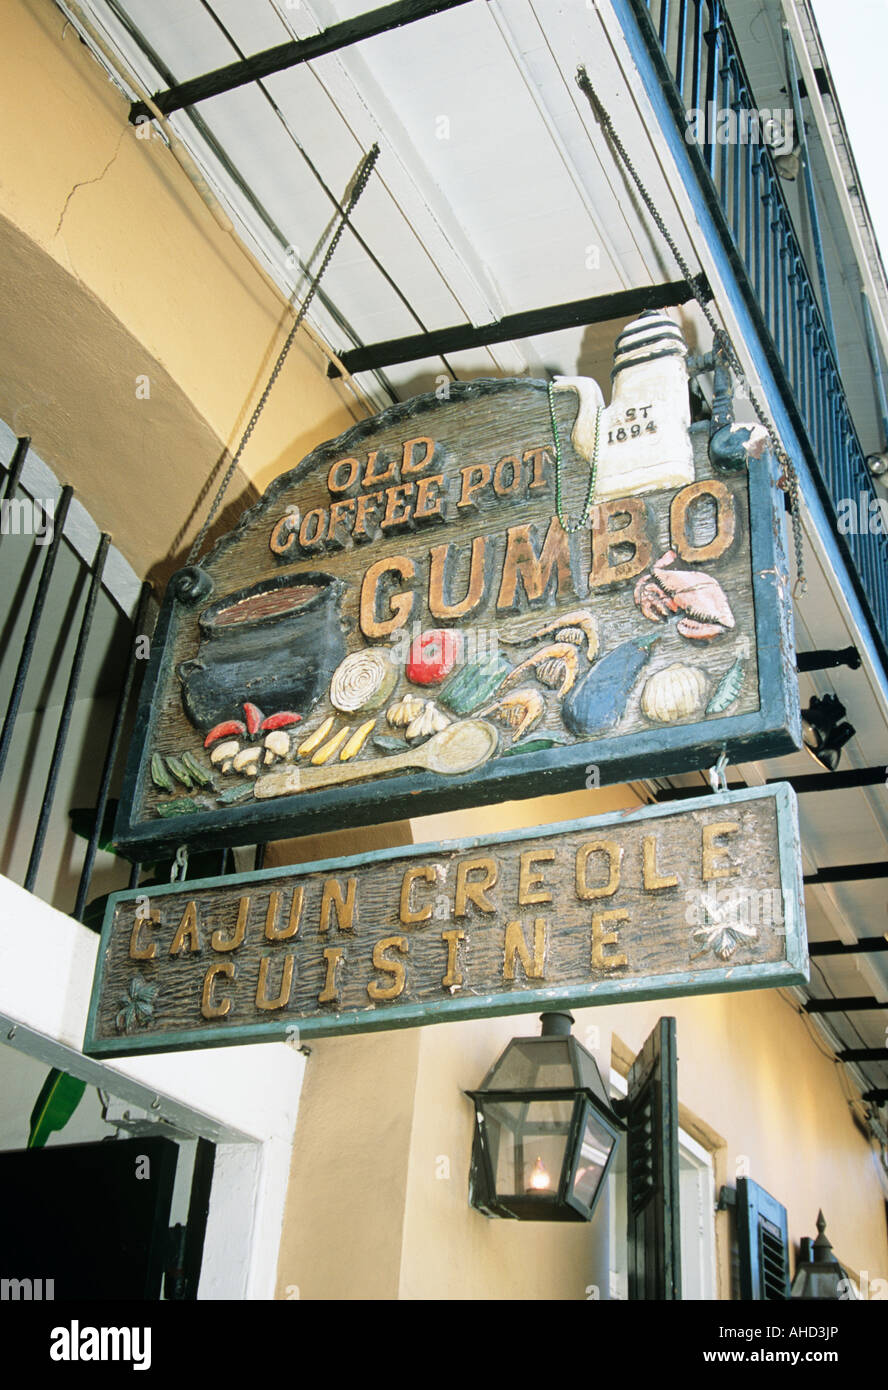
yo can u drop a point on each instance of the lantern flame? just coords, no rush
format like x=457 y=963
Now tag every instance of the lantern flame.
x=539 y=1178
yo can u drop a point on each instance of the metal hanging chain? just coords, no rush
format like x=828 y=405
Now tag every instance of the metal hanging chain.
x=566 y=524
x=353 y=192
x=789 y=478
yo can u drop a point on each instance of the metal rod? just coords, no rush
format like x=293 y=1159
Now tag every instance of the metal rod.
x=681 y=42
x=863 y=1054
x=828 y=656
x=849 y=873
x=111 y=756
x=857 y=1003
x=289 y=55
x=577 y=314
x=805 y=782
x=21 y=674
x=712 y=37
x=697 y=61
x=816 y=234
x=16 y=464
x=864 y=944
x=67 y=710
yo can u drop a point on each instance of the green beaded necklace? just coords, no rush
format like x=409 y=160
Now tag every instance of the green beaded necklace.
x=566 y=524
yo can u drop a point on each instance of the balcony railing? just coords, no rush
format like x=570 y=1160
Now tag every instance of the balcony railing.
x=59 y=752
x=694 y=49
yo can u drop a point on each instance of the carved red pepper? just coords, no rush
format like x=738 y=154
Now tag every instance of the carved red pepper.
x=432 y=656
x=232 y=728
x=283 y=720
x=254 y=718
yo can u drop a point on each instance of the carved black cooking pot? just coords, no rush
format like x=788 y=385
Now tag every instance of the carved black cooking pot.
x=275 y=644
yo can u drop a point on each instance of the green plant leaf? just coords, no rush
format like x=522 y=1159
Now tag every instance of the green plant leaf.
x=58 y=1099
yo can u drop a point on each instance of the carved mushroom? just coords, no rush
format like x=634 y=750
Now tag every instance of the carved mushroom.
x=223 y=755
x=276 y=745
x=247 y=761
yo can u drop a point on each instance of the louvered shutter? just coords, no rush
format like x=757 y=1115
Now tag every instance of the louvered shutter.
x=762 y=1242
x=651 y=1114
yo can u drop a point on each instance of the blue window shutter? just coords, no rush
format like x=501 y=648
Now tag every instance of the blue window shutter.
x=763 y=1244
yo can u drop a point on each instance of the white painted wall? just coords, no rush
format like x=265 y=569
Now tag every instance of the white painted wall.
x=243 y=1098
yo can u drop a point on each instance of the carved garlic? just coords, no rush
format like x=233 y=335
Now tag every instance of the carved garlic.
x=429 y=721
x=405 y=711
x=673 y=693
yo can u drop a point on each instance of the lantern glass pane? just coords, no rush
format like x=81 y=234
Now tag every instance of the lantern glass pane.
x=812 y=1282
x=533 y=1064
x=527 y=1140
x=596 y=1145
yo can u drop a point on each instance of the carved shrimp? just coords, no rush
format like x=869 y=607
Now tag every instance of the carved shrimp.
x=570 y=627
x=556 y=666
x=521 y=711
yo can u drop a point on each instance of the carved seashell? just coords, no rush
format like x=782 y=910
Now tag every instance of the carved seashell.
x=673 y=693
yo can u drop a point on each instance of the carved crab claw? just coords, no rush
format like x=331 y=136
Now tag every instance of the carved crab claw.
x=700 y=599
x=652 y=600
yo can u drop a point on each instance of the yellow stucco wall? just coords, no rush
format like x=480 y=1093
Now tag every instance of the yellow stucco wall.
x=128 y=272
x=755 y=1086
x=378 y=1204
x=116 y=267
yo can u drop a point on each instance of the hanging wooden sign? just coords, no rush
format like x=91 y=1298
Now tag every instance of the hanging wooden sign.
x=698 y=897
x=402 y=623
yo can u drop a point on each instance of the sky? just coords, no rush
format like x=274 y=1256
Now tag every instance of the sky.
x=855 y=40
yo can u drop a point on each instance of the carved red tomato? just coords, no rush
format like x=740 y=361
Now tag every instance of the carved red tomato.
x=432 y=656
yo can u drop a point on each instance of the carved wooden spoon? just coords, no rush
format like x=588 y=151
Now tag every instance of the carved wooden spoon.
x=458 y=748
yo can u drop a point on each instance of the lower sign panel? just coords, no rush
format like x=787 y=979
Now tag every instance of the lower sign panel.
x=666 y=901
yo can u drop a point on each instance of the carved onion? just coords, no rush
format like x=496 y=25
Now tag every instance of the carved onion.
x=673 y=693
x=363 y=680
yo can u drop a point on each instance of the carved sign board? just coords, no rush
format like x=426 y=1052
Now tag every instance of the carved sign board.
x=402 y=625
x=700 y=897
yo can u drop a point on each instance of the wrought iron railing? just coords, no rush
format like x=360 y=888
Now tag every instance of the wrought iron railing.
x=694 y=48
x=31 y=791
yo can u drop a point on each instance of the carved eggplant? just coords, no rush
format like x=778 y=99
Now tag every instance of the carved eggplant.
x=598 y=700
